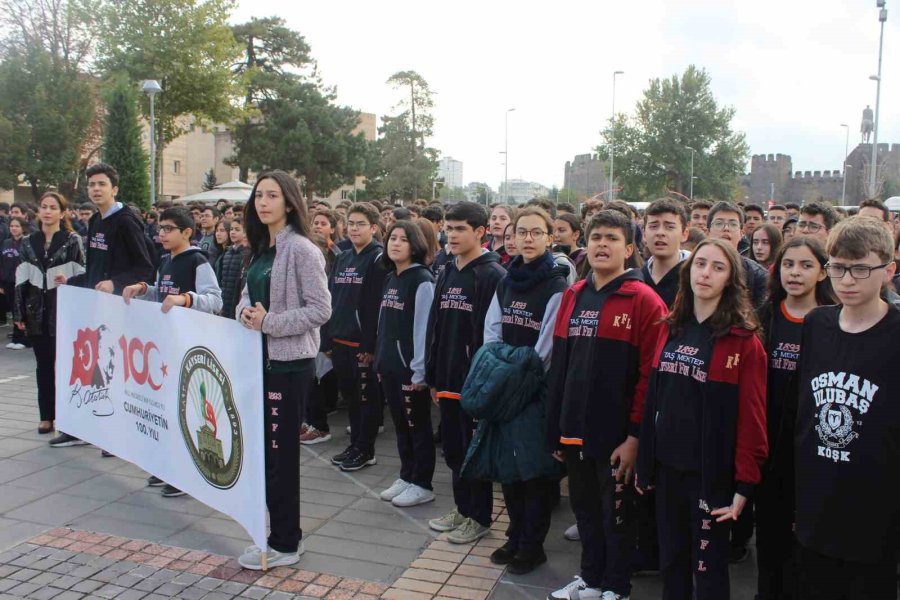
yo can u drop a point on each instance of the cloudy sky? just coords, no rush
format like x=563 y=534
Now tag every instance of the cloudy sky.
x=794 y=69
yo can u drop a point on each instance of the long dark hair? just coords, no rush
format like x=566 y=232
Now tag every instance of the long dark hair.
x=775 y=240
x=418 y=249
x=297 y=217
x=733 y=310
x=824 y=292
x=65 y=224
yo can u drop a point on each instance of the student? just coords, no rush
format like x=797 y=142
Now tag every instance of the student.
x=117 y=254
x=778 y=215
x=10 y=258
x=509 y=241
x=725 y=222
x=325 y=223
x=232 y=266
x=185 y=278
x=54 y=246
x=605 y=336
x=400 y=361
x=286 y=298
x=846 y=447
x=753 y=218
x=699 y=214
x=665 y=229
x=703 y=436
x=463 y=292
x=355 y=287
x=523 y=314
x=792 y=209
x=694 y=237
x=501 y=216
x=209 y=219
x=816 y=220
x=798 y=285
x=222 y=238
x=567 y=233
x=765 y=242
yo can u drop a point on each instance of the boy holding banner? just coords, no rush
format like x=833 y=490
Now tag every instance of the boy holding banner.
x=185 y=278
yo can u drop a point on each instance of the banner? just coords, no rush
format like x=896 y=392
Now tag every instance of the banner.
x=178 y=394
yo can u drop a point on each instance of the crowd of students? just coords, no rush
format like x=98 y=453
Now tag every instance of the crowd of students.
x=688 y=368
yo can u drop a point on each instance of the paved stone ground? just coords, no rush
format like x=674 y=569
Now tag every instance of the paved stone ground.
x=51 y=496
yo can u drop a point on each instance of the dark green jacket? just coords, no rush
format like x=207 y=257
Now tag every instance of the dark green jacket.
x=506 y=392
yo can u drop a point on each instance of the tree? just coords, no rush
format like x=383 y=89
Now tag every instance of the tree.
x=122 y=146
x=269 y=49
x=65 y=29
x=209 y=180
x=651 y=147
x=45 y=113
x=187 y=46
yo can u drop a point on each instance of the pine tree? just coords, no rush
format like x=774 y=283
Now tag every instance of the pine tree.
x=122 y=146
x=209 y=180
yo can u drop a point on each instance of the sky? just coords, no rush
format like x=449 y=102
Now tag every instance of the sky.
x=794 y=70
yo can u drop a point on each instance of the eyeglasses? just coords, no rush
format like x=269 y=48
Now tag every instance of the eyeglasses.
x=811 y=226
x=169 y=228
x=536 y=234
x=351 y=224
x=722 y=224
x=856 y=271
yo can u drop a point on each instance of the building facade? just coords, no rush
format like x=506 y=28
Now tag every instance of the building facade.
x=587 y=175
x=450 y=171
x=518 y=191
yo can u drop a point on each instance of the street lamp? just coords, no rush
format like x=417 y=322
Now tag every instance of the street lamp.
x=692 y=171
x=506 y=151
x=882 y=17
x=612 y=140
x=151 y=87
x=846 y=152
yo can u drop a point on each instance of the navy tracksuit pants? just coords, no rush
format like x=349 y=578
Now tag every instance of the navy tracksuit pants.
x=411 y=413
x=474 y=498
x=359 y=388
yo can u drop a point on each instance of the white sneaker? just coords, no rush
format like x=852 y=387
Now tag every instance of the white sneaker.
x=348 y=430
x=576 y=590
x=413 y=496
x=397 y=488
x=610 y=595
x=252 y=558
x=11 y=346
x=572 y=534
x=18 y=347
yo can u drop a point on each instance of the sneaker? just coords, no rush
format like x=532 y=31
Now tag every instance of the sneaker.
x=303 y=428
x=576 y=589
x=413 y=496
x=572 y=534
x=504 y=554
x=610 y=595
x=348 y=430
x=314 y=436
x=357 y=460
x=448 y=522
x=526 y=562
x=397 y=488
x=16 y=346
x=64 y=440
x=252 y=558
x=337 y=459
x=381 y=429
x=737 y=554
x=468 y=532
x=10 y=345
x=170 y=491
x=154 y=481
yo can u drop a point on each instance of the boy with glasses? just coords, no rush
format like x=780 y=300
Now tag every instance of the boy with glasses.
x=725 y=223
x=848 y=419
x=816 y=220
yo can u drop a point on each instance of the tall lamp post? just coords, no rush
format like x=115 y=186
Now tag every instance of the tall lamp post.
x=692 y=171
x=612 y=139
x=506 y=151
x=882 y=17
x=151 y=87
x=846 y=153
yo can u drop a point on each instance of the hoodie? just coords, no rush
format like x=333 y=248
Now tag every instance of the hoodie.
x=187 y=273
x=667 y=287
x=350 y=290
x=456 y=321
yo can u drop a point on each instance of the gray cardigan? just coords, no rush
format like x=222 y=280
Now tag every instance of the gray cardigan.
x=299 y=300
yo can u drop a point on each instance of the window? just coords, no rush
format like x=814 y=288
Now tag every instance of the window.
x=345 y=194
x=177 y=167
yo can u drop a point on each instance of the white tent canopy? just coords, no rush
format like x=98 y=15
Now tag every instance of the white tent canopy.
x=233 y=191
x=893 y=203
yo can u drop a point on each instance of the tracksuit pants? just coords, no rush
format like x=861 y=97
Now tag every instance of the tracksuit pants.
x=529 y=504
x=360 y=389
x=474 y=498
x=322 y=401
x=411 y=413
x=44 y=347
x=285 y=395
x=692 y=545
x=605 y=512
x=774 y=503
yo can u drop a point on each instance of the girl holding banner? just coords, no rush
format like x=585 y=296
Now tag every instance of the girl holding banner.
x=286 y=298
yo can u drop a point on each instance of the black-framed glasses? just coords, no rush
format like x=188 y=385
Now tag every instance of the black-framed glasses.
x=856 y=271
x=169 y=228
x=721 y=224
x=536 y=234
x=810 y=225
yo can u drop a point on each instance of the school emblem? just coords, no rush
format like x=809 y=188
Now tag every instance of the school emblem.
x=209 y=421
x=835 y=426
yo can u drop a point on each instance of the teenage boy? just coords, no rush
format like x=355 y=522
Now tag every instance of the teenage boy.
x=725 y=221
x=816 y=220
x=355 y=286
x=665 y=229
x=117 y=254
x=877 y=210
x=753 y=218
x=185 y=278
x=699 y=214
x=793 y=210
x=778 y=215
x=848 y=419
x=209 y=218
x=463 y=293
x=606 y=333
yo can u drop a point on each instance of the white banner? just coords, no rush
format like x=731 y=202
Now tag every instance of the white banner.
x=178 y=394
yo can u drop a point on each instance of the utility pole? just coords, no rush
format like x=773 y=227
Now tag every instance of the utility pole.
x=873 y=180
x=612 y=140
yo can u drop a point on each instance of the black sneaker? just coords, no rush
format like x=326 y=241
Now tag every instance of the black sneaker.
x=526 y=562
x=154 y=481
x=504 y=554
x=357 y=460
x=170 y=491
x=337 y=459
x=64 y=440
x=737 y=554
